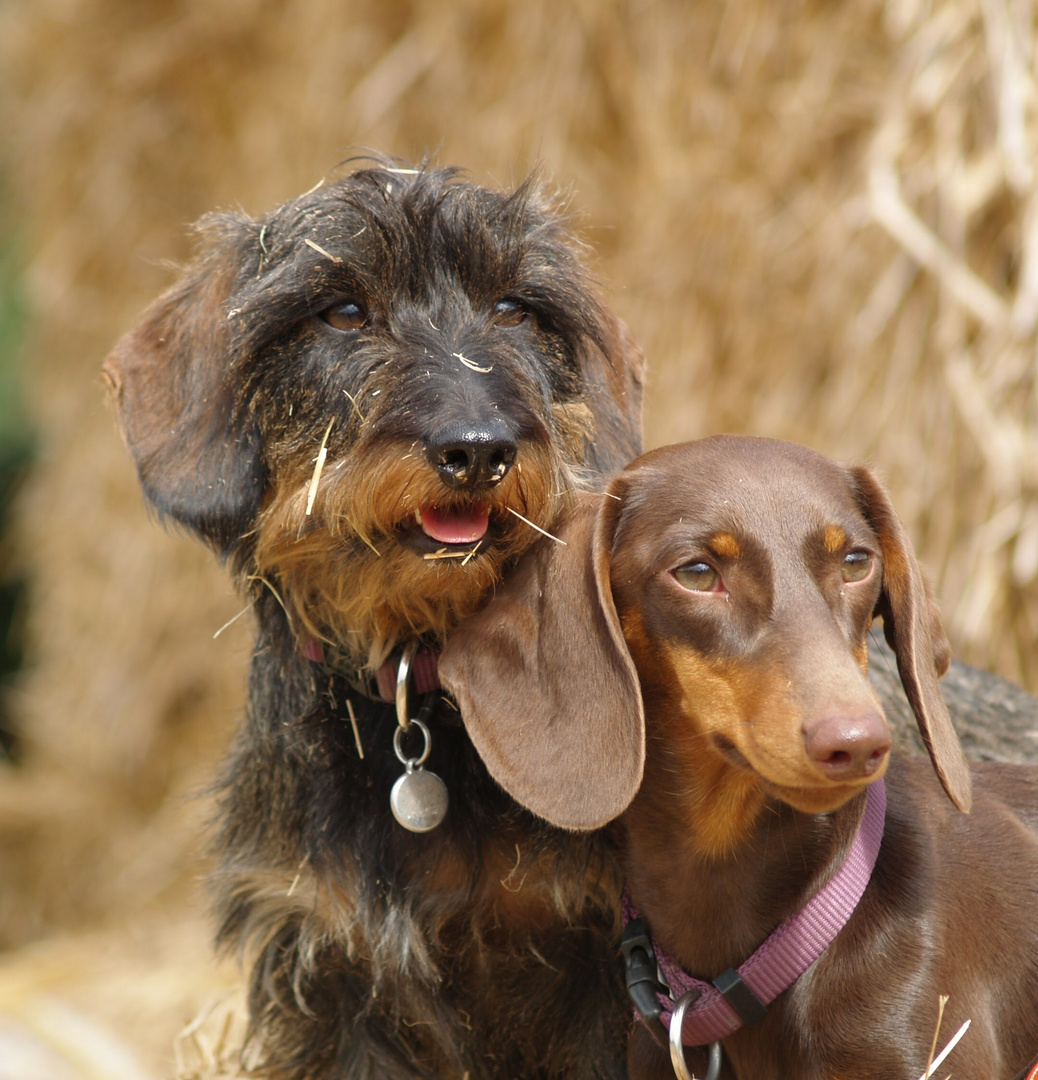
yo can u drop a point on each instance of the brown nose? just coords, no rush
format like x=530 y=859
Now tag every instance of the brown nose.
x=848 y=746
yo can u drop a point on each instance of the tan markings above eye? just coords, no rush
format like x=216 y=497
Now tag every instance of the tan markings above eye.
x=697 y=577
x=856 y=566
x=346 y=315
x=835 y=539
x=725 y=545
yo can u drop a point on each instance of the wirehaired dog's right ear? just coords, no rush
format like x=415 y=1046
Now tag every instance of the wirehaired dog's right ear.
x=198 y=453
x=547 y=689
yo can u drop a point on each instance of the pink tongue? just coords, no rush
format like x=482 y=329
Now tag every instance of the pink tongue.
x=455 y=525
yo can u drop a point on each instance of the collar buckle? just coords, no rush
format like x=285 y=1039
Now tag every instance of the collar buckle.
x=642 y=971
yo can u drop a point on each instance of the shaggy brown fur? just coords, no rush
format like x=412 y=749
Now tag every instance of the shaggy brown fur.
x=357 y=401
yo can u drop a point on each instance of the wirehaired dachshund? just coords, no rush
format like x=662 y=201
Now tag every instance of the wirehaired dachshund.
x=696 y=653
x=370 y=403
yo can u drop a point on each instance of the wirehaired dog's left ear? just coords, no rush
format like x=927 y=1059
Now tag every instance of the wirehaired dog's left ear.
x=912 y=627
x=198 y=459
x=547 y=688
x=614 y=373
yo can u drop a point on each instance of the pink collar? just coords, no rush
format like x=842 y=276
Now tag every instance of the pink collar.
x=787 y=953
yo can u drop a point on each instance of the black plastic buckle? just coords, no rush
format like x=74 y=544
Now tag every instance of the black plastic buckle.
x=741 y=998
x=641 y=971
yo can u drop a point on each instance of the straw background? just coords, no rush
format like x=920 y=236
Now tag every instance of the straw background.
x=819 y=219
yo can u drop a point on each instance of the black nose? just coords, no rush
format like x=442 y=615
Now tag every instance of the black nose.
x=472 y=455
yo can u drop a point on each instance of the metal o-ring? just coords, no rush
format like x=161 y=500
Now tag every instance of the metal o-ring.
x=412 y=763
x=677 y=1046
x=403 y=673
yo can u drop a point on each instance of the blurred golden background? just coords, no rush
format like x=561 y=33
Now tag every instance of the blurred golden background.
x=819 y=219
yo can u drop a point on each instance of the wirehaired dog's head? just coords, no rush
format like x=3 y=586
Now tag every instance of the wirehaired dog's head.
x=359 y=398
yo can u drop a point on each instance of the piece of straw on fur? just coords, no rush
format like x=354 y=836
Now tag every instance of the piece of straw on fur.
x=543 y=532
x=474 y=367
x=356 y=730
x=317 y=247
x=322 y=455
x=356 y=407
x=234 y=618
x=934 y=1062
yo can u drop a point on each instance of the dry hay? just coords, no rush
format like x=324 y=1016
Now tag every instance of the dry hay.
x=820 y=219
x=120 y=1005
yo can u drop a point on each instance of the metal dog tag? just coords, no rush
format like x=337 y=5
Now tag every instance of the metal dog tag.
x=418 y=799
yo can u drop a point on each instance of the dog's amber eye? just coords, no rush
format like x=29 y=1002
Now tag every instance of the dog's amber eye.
x=856 y=566
x=509 y=313
x=348 y=315
x=697 y=577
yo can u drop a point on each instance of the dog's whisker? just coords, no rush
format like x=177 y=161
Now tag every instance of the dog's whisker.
x=260 y=578
x=543 y=532
x=521 y=488
x=368 y=542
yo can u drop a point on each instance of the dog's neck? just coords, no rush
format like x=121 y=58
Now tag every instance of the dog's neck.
x=715 y=863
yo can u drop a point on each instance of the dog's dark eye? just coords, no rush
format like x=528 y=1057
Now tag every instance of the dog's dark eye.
x=347 y=315
x=509 y=313
x=697 y=577
x=857 y=565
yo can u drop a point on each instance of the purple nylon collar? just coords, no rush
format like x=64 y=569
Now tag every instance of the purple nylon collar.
x=790 y=949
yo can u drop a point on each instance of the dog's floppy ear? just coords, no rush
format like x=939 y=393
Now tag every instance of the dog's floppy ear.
x=547 y=689
x=197 y=457
x=614 y=372
x=912 y=627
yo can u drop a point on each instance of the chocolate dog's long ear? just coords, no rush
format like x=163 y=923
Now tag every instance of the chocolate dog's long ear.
x=912 y=627
x=547 y=689
x=197 y=457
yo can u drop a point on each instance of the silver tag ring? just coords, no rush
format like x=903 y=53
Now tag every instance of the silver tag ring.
x=412 y=763
x=677 y=1046
x=403 y=674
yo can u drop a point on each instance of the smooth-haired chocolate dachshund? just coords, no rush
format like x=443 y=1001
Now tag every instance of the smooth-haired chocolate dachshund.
x=695 y=656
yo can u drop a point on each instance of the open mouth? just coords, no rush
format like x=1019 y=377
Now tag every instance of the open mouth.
x=461 y=529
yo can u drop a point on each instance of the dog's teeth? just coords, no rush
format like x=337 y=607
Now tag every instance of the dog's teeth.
x=418 y=516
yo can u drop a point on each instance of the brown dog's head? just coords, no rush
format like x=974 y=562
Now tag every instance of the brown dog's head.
x=728 y=585
x=354 y=397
